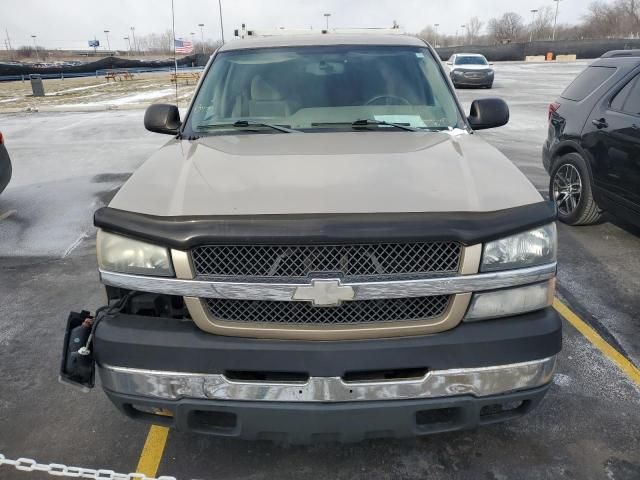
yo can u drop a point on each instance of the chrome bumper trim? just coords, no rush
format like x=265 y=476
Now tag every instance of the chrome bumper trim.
x=362 y=290
x=479 y=382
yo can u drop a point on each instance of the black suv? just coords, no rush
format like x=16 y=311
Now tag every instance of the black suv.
x=593 y=148
x=5 y=165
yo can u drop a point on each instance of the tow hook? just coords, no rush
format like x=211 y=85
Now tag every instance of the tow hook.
x=78 y=364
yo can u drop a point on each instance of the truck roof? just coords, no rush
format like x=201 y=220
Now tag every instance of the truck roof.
x=322 y=39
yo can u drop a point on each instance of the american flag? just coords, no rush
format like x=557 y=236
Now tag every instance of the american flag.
x=183 y=46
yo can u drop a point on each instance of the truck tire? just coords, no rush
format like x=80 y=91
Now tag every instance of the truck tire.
x=570 y=189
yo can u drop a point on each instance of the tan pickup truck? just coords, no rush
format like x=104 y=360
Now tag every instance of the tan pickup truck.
x=325 y=250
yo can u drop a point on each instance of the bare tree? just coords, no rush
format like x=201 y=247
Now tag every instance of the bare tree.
x=542 y=25
x=429 y=35
x=508 y=28
x=157 y=42
x=620 y=18
x=631 y=10
x=474 y=27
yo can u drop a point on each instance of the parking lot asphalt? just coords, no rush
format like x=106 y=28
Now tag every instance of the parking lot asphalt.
x=66 y=165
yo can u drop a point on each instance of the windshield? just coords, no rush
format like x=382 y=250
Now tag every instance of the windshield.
x=315 y=88
x=471 y=60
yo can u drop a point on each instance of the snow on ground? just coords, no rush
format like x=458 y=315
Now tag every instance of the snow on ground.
x=77 y=89
x=91 y=93
x=130 y=99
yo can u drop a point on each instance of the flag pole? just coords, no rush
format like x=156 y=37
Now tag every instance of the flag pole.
x=175 y=62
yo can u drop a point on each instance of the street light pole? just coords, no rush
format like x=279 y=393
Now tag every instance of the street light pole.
x=327 y=15
x=463 y=35
x=436 y=25
x=106 y=32
x=36 y=47
x=221 y=24
x=129 y=42
x=555 y=22
x=201 y=25
x=133 y=34
x=533 y=20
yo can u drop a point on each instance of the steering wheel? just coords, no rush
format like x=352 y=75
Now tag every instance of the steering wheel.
x=403 y=101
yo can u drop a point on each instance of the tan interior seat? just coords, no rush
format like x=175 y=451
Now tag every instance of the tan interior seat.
x=266 y=101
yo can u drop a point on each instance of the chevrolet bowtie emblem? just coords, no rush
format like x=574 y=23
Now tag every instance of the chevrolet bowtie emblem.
x=324 y=292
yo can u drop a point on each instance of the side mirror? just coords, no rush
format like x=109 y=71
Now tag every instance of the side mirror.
x=162 y=118
x=488 y=113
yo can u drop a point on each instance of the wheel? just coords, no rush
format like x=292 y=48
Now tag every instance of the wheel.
x=570 y=188
x=490 y=86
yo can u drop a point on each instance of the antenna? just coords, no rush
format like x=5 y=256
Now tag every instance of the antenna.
x=175 y=62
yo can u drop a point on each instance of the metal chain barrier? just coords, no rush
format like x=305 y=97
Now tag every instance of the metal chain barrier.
x=60 y=470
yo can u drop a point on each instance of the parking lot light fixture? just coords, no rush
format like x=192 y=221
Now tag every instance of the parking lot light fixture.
x=133 y=37
x=35 y=45
x=221 y=23
x=201 y=25
x=533 y=20
x=326 y=16
x=555 y=22
x=106 y=32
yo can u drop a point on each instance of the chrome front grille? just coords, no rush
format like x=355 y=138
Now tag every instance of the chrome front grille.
x=348 y=313
x=301 y=261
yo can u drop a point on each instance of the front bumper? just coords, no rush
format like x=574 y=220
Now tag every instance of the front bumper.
x=151 y=364
x=481 y=80
x=303 y=423
x=478 y=382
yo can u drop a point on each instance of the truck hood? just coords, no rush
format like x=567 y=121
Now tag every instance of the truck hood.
x=346 y=172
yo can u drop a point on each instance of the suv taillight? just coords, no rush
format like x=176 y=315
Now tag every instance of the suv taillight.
x=553 y=108
x=1 y=139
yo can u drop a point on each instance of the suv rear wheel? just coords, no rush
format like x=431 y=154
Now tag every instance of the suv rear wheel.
x=570 y=188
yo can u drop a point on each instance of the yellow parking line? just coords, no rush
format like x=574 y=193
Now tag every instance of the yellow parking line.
x=7 y=214
x=152 y=451
x=610 y=352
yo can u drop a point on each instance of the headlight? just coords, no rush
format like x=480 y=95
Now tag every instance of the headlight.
x=126 y=255
x=510 y=301
x=535 y=247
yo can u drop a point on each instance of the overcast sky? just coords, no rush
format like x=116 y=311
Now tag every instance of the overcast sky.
x=70 y=23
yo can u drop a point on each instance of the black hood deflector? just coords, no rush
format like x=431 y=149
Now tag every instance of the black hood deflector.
x=184 y=233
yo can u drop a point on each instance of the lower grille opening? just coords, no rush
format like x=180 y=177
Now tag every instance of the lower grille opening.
x=382 y=375
x=352 y=312
x=158 y=416
x=249 y=376
x=163 y=412
x=503 y=409
x=213 y=420
x=437 y=416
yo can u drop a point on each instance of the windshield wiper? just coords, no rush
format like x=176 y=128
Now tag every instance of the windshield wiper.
x=248 y=123
x=366 y=122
